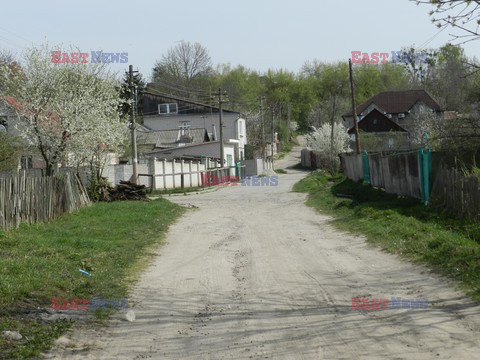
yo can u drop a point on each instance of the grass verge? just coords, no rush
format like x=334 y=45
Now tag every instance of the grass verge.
x=286 y=148
x=178 y=191
x=42 y=261
x=400 y=225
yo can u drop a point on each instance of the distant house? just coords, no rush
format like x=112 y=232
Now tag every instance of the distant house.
x=10 y=124
x=163 y=112
x=393 y=112
x=376 y=121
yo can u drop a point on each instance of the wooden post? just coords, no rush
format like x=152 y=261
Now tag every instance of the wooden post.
x=154 y=179
x=198 y=174
x=354 y=107
x=190 y=171
x=182 y=177
x=164 y=169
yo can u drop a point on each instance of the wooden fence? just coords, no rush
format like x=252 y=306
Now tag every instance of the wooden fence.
x=397 y=174
x=401 y=174
x=31 y=199
x=456 y=193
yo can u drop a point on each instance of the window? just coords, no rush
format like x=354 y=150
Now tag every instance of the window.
x=168 y=108
x=3 y=123
x=26 y=162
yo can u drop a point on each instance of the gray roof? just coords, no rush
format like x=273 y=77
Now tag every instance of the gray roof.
x=171 y=138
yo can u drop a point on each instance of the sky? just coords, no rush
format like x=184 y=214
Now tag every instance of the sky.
x=259 y=34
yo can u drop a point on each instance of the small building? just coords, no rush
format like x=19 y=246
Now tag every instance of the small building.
x=199 y=152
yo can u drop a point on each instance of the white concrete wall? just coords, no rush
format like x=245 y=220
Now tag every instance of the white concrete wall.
x=256 y=167
x=170 y=181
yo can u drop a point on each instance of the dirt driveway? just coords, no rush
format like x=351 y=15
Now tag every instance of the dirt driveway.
x=253 y=273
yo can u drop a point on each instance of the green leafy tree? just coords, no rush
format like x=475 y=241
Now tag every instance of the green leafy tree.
x=140 y=85
x=9 y=152
x=242 y=85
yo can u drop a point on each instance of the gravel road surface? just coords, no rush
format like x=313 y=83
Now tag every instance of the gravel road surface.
x=253 y=273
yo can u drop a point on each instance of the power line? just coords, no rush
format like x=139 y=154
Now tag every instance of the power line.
x=17 y=36
x=422 y=47
x=11 y=43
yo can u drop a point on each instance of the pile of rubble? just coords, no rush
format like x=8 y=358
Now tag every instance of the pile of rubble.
x=126 y=190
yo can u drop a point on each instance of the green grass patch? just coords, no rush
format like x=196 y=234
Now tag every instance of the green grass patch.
x=280 y=171
x=178 y=191
x=286 y=148
x=400 y=225
x=41 y=261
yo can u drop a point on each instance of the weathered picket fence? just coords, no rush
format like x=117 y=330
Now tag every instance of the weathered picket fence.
x=405 y=174
x=456 y=193
x=31 y=199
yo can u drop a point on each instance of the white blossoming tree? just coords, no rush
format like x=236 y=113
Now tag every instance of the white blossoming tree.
x=328 y=146
x=68 y=111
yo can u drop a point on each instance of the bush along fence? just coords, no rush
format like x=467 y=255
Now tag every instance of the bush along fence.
x=31 y=199
x=405 y=174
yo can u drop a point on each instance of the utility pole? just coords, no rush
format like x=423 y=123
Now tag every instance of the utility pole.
x=132 y=123
x=333 y=133
x=221 y=100
x=273 y=131
x=354 y=107
x=261 y=98
x=288 y=121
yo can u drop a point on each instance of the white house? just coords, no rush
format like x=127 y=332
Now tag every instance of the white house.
x=166 y=112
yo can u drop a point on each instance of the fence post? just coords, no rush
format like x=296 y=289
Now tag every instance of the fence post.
x=366 y=168
x=164 y=171
x=425 y=161
x=173 y=172
x=190 y=171
x=198 y=173
x=153 y=169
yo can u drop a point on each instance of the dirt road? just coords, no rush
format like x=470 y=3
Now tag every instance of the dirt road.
x=253 y=273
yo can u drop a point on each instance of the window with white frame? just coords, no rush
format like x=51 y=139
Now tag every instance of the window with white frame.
x=171 y=108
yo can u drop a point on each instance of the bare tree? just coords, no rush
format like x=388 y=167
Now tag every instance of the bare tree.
x=185 y=61
x=420 y=72
x=461 y=14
